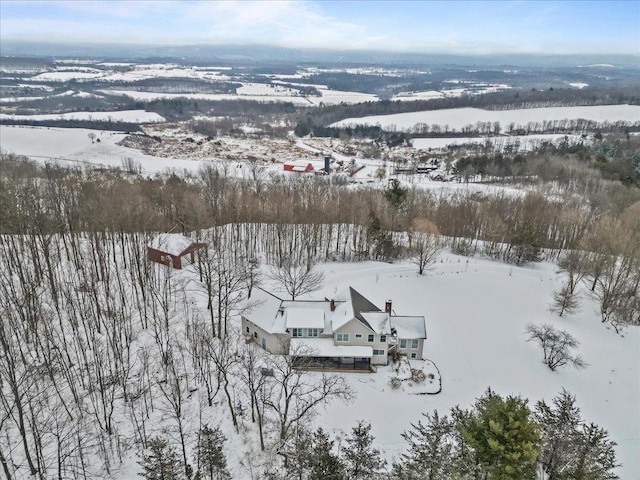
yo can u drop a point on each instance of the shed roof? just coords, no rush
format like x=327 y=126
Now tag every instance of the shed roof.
x=171 y=243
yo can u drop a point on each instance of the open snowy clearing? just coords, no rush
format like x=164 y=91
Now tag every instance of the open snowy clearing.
x=476 y=312
x=73 y=146
x=150 y=96
x=460 y=117
x=258 y=93
x=132 y=116
x=521 y=143
x=66 y=76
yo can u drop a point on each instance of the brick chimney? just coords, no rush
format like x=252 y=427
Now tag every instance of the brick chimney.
x=332 y=305
x=387 y=307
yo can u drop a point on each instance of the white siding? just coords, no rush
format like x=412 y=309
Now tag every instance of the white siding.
x=354 y=327
x=408 y=350
x=273 y=342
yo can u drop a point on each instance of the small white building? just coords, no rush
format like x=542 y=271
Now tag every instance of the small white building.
x=349 y=332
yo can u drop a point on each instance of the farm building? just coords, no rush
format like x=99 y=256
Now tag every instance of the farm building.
x=171 y=248
x=299 y=166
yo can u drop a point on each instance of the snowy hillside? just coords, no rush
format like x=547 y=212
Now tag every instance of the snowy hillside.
x=459 y=118
x=138 y=346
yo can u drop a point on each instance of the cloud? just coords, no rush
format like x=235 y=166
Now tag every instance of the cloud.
x=458 y=27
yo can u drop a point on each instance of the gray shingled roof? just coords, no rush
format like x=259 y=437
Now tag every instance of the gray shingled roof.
x=361 y=304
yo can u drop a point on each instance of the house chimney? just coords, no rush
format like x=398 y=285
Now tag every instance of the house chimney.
x=332 y=305
x=387 y=307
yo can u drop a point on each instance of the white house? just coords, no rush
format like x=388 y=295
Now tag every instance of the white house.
x=347 y=332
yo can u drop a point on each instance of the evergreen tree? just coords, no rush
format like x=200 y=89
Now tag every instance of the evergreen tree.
x=396 y=194
x=296 y=452
x=362 y=459
x=430 y=450
x=503 y=437
x=210 y=454
x=323 y=463
x=595 y=455
x=466 y=464
x=161 y=462
x=560 y=434
x=571 y=450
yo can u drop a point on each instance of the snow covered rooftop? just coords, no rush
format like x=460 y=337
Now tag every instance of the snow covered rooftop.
x=171 y=243
x=378 y=321
x=275 y=315
x=324 y=347
x=304 y=318
x=409 y=327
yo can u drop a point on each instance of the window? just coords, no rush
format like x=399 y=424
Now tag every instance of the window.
x=296 y=332
x=358 y=335
x=414 y=343
x=378 y=352
x=342 y=337
x=403 y=343
x=383 y=338
x=370 y=338
x=312 y=332
x=255 y=334
x=264 y=344
x=248 y=330
x=413 y=355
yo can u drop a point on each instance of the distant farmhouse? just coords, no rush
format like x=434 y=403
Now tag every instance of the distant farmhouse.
x=348 y=333
x=173 y=249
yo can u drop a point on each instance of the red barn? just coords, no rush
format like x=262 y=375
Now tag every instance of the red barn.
x=169 y=248
x=300 y=166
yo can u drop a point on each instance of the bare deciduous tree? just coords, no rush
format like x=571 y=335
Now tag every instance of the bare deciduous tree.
x=556 y=346
x=295 y=393
x=424 y=251
x=297 y=279
x=253 y=376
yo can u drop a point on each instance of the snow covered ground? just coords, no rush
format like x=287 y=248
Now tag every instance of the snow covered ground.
x=477 y=311
x=73 y=146
x=259 y=93
x=132 y=116
x=460 y=117
x=522 y=142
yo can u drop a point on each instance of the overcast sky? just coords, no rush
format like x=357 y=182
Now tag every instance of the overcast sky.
x=475 y=27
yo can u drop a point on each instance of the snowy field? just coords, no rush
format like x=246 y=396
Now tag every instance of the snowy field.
x=131 y=116
x=259 y=93
x=521 y=143
x=73 y=146
x=460 y=117
x=476 y=312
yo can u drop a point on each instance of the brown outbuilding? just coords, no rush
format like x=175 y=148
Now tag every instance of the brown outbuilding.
x=171 y=248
